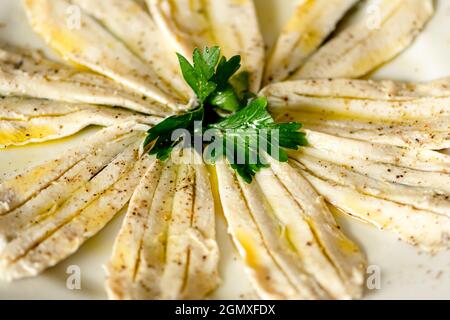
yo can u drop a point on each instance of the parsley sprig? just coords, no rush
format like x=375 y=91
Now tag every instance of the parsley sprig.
x=243 y=130
x=211 y=79
x=245 y=138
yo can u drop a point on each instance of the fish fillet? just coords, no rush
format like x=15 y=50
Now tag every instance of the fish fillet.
x=79 y=38
x=310 y=25
x=417 y=197
x=230 y=24
x=433 y=134
x=436 y=182
x=32 y=75
x=59 y=190
x=362 y=99
x=19 y=189
x=146 y=40
x=24 y=121
x=418 y=159
x=166 y=248
x=422 y=228
x=45 y=238
x=274 y=231
x=384 y=30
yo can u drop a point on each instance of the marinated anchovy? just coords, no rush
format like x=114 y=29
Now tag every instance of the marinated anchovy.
x=418 y=197
x=399 y=189
x=287 y=234
x=310 y=25
x=427 y=133
x=49 y=221
x=231 y=24
x=166 y=248
x=87 y=43
x=421 y=228
x=24 y=121
x=368 y=148
x=22 y=187
x=30 y=74
x=383 y=30
x=146 y=40
x=362 y=99
x=436 y=182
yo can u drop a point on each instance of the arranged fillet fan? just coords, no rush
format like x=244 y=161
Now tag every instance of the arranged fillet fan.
x=373 y=146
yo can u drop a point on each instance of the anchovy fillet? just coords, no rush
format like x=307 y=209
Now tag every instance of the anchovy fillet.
x=166 y=248
x=383 y=30
x=79 y=38
x=310 y=25
x=275 y=231
x=32 y=75
x=24 y=121
x=36 y=236
x=231 y=24
x=146 y=40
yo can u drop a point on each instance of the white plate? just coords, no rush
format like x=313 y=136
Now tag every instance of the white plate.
x=405 y=272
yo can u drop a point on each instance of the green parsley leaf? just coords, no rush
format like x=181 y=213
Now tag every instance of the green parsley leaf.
x=189 y=74
x=162 y=132
x=225 y=96
x=241 y=84
x=225 y=70
x=226 y=99
x=199 y=75
x=210 y=76
x=205 y=63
